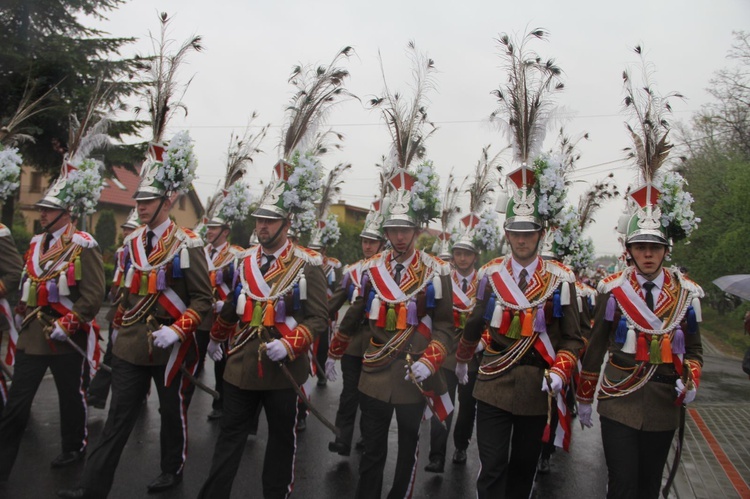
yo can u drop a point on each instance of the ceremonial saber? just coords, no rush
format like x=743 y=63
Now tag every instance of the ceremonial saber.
x=48 y=330
x=300 y=393
x=427 y=399
x=680 y=435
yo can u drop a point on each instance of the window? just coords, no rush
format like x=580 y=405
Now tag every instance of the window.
x=36 y=182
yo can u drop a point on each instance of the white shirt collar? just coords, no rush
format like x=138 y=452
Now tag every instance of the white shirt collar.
x=517 y=267
x=218 y=248
x=659 y=281
x=57 y=234
x=276 y=254
x=460 y=278
x=406 y=263
x=160 y=229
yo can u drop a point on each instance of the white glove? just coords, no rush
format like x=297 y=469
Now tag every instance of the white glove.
x=689 y=394
x=479 y=348
x=58 y=334
x=276 y=350
x=218 y=306
x=331 y=373
x=18 y=318
x=556 y=382
x=215 y=351
x=420 y=370
x=165 y=337
x=584 y=414
x=462 y=372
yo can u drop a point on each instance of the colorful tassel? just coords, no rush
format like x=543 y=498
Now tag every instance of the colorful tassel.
x=241 y=302
x=641 y=351
x=514 y=331
x=31 y=301
x=219 y=277
x=280 y=312
x=77 y=268
x=53 y=294
x=401 y=317
x=609 y=312
x=260 y=363
x=71 y=274
x=177 y=267
x=25 y=290
x=621 y=333
x=212 y=278
x=257 y=318
x=579 y=301
x=368 y=303
x=135 y=282
x=430 y=295
x=412 y=318
x=41 y=295
x=62 y=284
x=247 y=315
x=630 y=344
x=546 y=433
x=184 y=258
x=438 y=285
x=565 y=294
x=382 y=309
x=497 y=316
x=268 y=315
x=143 y=288
x=557 y=310
x=505 y=322
x=462 y=320
x=527 y=326
x=374 y=306
x=152 y=282
x=678 y=342
x=692 y=323
x=696 y=304
x=161 y=279
x=390 y=319
x=303 y=288
x=489 y=310
x=666 y=350
x=126 y=283
x=350 y=293
x=654 y=351
x=481 y=288
x=365 y=280
x=540 y=322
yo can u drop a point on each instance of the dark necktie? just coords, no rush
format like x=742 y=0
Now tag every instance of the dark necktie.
x=212 y=253
x=522 y=283
x=648 y=286
x=47 y=241
x=397 y=277
x=149 y=242
x=464 y=285
x=269 y=260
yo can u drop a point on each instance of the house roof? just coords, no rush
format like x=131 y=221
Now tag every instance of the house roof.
x=119 y=189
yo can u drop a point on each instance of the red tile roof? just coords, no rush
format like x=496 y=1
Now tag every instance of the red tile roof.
x=113 y=194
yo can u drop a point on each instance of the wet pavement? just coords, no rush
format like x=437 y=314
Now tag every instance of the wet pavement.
x=716 y=457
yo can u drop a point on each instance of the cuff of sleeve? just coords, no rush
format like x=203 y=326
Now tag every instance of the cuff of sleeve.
x=221 y=329
x=289 y=351
x=565 y=363
x=339 y=344
x=187 y=323
x=465 y=350
x=117 y=319
x=587 y=386
x=434 y=356
x=695 y=371
x=69 y=323
x=180 y=332
x=298 y=340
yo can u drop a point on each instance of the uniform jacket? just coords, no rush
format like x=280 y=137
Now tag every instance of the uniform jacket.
x=351 y=287
x=11 y=265
x=462 y=308
x=155 y=289
x=221 y=274
x=426 y=285
x=643 y=405
x=512 y=368
x=74 y=255
x=297 y=292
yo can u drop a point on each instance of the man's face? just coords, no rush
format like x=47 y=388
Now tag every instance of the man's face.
x=126 y=231
x=402 y=238
x=216 y=235
x=464 y=259
x=149 y=211
x=266 y=229
x=523 y=245
x=47 y=215
x=370 y=247
x=648 y=257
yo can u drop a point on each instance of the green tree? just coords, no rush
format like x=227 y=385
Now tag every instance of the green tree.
x=348 y=249
x=106 y=230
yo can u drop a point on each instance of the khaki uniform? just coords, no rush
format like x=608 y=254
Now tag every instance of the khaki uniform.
x=11 y=265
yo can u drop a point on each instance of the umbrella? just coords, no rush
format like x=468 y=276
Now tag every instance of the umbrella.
x=737 y=284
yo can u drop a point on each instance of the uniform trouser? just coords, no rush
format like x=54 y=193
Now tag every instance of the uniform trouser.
x=464 y=420
x=202 y=338
x=240 y=409
x=635 y=459
x=321 y=355
x=100 y=384
x=68 y=372
x=509 y=448
x=130 y=385
x=351 y=369
x=376 y=421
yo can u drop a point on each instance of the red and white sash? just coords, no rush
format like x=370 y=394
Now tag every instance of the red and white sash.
x=386 y=286
x=508 y=290
x=222 y=288
x=634 y=307
x=254 y=279
x=442 y=403
x=7 y=312
x=175 y=307
x=460 y=300
x=93 y=351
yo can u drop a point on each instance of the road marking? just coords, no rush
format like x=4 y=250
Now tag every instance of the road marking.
x=734 y=476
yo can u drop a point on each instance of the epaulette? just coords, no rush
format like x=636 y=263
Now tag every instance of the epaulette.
x=333 y=262
x=310 y=256
x=585 y=290
x=373 y=261
x=84 y=239
x=439 y=266
x=4 y=231
x=188 y=237
x=236 y=250
x=484 y=269
x=687 y=283
x=36 y=238
x=611 y=282
x=560 y=270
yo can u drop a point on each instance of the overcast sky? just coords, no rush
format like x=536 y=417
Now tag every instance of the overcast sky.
x=251 y=46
